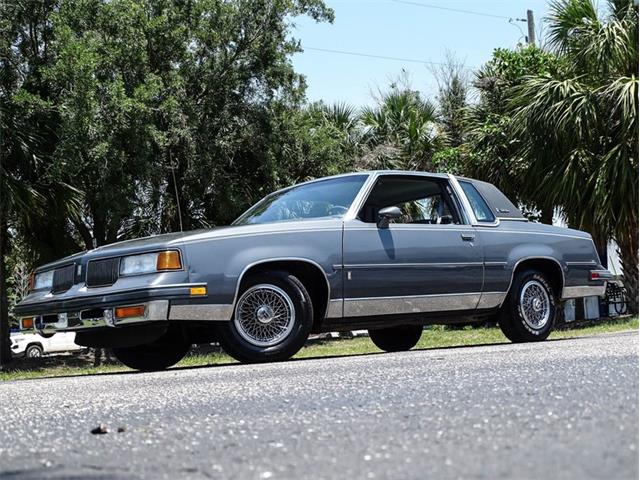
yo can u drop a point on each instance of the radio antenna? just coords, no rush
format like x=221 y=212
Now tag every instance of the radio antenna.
x=175 y=186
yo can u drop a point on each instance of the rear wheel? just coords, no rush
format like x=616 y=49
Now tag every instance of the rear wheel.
x=271 y=321
x=396 y=339
x=157 y=355
x=530 y=311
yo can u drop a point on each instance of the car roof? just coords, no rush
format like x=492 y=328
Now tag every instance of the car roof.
x=363 y=172
x=372 y=172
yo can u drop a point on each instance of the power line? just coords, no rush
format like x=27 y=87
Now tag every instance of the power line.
x=369 y=55
x=458 y=10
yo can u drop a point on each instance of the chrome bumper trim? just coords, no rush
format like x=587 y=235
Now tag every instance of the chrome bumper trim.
x=156 y=310
x=201 y=312
x=583 y=291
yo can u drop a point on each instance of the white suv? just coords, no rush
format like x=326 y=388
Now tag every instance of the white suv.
x=32 y=345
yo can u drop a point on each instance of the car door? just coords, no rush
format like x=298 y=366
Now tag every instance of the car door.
x=61 y=342
x=427 y=260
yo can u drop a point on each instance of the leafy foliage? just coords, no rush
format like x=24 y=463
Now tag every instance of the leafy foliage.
x=494 y=151
x=578 y=125
x=401 y=131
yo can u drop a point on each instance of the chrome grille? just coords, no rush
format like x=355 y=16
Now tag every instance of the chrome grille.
x=102 y=273
x=63 y=278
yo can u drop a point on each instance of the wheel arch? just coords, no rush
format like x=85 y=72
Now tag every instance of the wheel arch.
x=34 y=344
x=550 y=266
x=309 y=272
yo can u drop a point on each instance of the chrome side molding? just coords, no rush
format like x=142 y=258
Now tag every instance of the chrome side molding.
x=362 y=307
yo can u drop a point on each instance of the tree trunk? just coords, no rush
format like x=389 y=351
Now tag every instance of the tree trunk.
x=546 y=215
x=5 y=343
x=628 y=252
x=601 y=243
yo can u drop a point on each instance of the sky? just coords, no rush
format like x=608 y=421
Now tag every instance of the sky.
x=399 y=28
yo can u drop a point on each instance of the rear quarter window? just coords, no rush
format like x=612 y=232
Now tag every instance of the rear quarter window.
x=500 y=205
x=480 y=208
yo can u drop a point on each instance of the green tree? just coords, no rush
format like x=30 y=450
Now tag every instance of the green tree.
x=453 y=99
x=315 y=141
x=17 y=198
x=401 y=131
x=493 y=149
x=149 y=108
x=579 y=125
x=168 y=108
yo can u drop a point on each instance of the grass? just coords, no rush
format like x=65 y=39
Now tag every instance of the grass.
x=434 y=337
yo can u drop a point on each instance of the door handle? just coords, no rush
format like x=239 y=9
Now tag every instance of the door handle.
x=468 y=237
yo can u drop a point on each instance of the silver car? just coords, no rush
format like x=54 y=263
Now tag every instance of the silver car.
x=387 y=251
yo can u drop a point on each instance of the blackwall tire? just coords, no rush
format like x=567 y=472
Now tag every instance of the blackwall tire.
x=272 y=319
x=396 y=339
x=530 y=310
x=34 y=351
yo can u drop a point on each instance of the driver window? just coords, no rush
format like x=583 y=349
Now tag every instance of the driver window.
x=421 y=200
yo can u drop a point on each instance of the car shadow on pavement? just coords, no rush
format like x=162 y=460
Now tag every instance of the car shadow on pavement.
x=79 y=364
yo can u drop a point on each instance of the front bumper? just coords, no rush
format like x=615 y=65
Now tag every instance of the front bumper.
x=156 y=310
x=84 y=299
x=161 y=303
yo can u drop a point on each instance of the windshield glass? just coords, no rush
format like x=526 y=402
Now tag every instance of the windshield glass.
x=322 y=199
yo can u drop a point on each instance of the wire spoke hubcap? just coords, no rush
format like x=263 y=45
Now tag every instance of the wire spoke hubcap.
x=535 y=305
x=265 y=315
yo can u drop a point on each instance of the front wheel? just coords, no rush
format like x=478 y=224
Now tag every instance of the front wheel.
x=34 y=351
x=530 y=311
x=271 y=321
x=396 y=339
x=157 y=355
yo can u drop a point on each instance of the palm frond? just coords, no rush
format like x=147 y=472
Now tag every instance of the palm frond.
x=571 y=24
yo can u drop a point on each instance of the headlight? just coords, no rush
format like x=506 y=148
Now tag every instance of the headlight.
x=43 y=280
x=150 y=262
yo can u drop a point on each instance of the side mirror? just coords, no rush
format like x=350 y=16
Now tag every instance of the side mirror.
x=386 y=214
x=446 y=220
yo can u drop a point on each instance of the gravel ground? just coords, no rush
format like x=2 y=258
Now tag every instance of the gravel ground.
x=558 y=409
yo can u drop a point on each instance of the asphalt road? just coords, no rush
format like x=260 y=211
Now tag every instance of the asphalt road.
x=559 y=409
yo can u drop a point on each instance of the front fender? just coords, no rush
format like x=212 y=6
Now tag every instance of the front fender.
x=221 y=262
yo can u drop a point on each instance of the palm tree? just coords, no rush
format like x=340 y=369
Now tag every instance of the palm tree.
x=17 y=198
x=493 y=150
x=343 y=118
x=579 y=125
x=27 y=188
x=401 y=131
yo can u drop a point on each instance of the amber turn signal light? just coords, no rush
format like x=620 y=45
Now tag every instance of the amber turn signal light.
x=169 y=260
x=27 y=323
x=126 y=312
x=198 y=290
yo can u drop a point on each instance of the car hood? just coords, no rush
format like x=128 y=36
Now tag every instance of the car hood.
x=152 y=241
x=258 y=229
x=176 y=239
x=119 y=248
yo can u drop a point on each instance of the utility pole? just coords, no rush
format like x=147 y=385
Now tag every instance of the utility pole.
x=531 y=38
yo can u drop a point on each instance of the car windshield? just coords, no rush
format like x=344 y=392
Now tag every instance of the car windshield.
x=322 y=199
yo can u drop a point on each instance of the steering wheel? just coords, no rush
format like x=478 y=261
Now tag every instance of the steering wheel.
x=338 y=210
